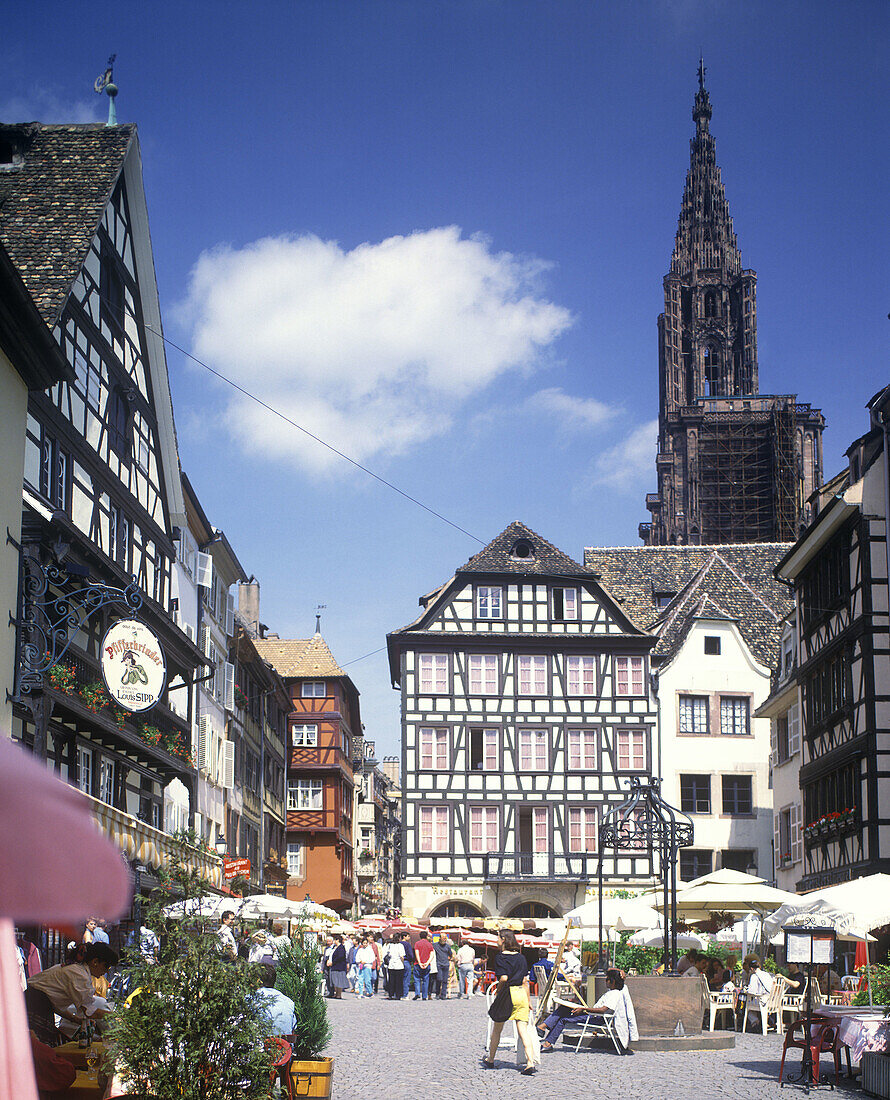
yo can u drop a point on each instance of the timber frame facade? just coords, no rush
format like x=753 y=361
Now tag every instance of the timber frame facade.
x=839 y=572
x=101 y=475
x=525 y=710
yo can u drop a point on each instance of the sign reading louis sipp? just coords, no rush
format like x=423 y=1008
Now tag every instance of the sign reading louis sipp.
x=133 y=665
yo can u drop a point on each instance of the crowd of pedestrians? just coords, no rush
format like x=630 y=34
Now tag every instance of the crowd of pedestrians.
x=396 y=967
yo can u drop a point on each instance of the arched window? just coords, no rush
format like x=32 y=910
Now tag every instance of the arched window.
x=711 y=304
x=533 y=910
x=457 y=909
x=713 y=365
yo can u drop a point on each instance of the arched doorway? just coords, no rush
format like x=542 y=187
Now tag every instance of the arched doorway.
x=533 y=910
x=457 y=909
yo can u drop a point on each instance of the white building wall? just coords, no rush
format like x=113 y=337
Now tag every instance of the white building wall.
x=733 y=673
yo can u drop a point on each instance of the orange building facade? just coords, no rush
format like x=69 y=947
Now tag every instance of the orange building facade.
x=324 y=726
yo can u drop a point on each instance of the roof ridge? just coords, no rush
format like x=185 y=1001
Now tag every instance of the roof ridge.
x=742 y=581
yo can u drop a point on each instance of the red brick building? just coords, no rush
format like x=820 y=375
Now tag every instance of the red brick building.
x=324 y=727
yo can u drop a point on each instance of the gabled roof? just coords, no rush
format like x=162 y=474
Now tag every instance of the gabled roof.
x=733 y=582
x=52 y=202
x=504 y=555
x=298 y=657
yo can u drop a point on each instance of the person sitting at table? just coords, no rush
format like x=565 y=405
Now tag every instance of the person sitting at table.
x=271 y=1002
x=615 y=1000
x=714 y=971
x=67 y=991
x=828 y=978
x=53 y=1073
x=796 y=978
x=687 y=960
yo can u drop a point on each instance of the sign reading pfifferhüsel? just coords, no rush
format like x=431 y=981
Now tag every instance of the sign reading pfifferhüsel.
x=133 y=665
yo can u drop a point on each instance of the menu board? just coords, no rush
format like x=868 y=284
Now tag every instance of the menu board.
x=805 y=947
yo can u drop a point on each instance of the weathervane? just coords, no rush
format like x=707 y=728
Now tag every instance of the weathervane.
x=105 y=83
x=701 y=72
x=318 y=610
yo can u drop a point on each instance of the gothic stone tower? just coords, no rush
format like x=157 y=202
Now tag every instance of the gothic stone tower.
x=733 y=465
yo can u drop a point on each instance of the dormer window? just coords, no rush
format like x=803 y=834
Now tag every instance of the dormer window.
x=662 y=599
x=489 y=602
x=522 y=550
x=565 y=604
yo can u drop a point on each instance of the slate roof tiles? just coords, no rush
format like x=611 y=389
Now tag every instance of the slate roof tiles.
x=503 y=555
x=52 y=203
x=724 y=581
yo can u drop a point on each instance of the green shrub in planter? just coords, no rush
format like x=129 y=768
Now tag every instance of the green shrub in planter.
x=192 y=1032
x=298 y=978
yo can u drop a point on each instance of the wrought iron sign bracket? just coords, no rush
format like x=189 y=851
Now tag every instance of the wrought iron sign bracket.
x=47 y=623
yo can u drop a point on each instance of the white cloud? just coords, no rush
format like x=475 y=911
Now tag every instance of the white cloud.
x=375 y=349
x=43 y=104
x=630 y=461
x=572 y=413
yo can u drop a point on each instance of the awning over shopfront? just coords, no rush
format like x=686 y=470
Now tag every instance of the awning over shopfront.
x=151 y=846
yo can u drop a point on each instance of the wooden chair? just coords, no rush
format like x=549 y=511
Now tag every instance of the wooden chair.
x=823 y=1038
x=769 y=1007
x=718 y=1002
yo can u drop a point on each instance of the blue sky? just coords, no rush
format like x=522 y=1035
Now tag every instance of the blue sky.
x=435 y=233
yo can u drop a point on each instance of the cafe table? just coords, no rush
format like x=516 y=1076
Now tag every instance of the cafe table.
x=85 y=1087
x=859 y=1028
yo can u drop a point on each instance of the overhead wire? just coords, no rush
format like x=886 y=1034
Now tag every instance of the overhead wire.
x=277 y=412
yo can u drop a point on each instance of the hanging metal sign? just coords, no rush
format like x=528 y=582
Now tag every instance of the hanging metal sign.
x=133 y=665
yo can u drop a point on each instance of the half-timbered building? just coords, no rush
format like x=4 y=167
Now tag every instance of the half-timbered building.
x=717 y=612
x=324 y=751
x=525 y=710
x=838 y=569
x=101 y=481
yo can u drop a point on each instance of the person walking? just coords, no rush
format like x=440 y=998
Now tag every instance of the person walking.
x=423 y=952
x=511 y=970
x=339 y=981
x=326 y=964
x=443 y=965
x=364 y=961
x=466 y=959
x=409 y=963
x=396 y=965
x=378 y=960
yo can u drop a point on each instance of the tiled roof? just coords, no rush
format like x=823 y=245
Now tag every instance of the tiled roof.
x=298 y=656
x=500 y=556
x=733 y=582
x=51 y=205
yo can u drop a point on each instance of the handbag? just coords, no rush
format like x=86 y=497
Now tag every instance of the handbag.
x=501 y=1008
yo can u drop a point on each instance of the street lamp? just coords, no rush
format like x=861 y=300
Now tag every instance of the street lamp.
x=222 y=846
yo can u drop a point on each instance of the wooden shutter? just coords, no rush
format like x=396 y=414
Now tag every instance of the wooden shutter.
x=230 y=614
x=204 y=643
x=773 y=743
x=228 y=772
x=796 y=844
x=777 y=840
x=230 y=687
x=793 y=730
x=204 y=735
x=204 y=572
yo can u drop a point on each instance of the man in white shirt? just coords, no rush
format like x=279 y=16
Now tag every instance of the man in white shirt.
x=226 y=936
x=466 y=961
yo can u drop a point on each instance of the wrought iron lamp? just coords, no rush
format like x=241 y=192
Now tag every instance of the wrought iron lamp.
x=646 y=823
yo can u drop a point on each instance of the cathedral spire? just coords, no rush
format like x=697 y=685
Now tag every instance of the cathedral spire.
x=705 y=239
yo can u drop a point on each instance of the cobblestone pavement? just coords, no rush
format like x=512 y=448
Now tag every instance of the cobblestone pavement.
x=400 y=1049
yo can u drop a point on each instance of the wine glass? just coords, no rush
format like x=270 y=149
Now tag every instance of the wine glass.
x=92 y=1061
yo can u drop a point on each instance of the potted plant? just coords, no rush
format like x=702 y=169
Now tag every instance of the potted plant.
x=62 y=678
x=191 y=1030
x=298 y=978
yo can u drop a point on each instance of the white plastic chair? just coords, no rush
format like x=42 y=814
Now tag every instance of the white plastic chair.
x=599 y=1025
x=721 y=1002
x=509 y=1038
x=769 y=1006
x=794 y=1003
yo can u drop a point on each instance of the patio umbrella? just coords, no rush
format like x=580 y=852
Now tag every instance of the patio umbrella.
x=701 y=901
x=258 y=906
x=210 y=905
x=624 y=914
x=867 y=897
x=654 y=937
x=725 y=876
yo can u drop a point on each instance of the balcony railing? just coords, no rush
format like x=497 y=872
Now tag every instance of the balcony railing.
x=527 y=866
x=307 y=757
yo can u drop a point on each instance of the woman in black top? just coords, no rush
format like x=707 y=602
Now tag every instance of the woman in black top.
x=338 y=968
x=511 y=969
